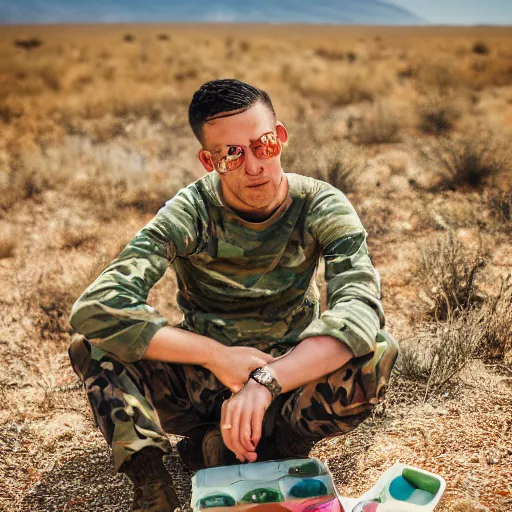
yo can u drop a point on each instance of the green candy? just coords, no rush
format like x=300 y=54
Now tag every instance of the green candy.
x=421 y=480
x=262 y=495
x=216 y=500
x=311 y=468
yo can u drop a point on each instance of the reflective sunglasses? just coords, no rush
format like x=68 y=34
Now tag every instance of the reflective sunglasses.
x=232 y=157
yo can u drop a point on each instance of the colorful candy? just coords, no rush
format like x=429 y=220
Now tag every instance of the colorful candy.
x=307 y=488
x=262 y=495
x=216 y=500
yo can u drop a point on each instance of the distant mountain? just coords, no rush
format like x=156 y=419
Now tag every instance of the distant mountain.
x=364 y=12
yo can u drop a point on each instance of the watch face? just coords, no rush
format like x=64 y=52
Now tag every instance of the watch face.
x=266 y=377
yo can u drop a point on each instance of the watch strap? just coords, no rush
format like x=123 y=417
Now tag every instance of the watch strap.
x=265 y=376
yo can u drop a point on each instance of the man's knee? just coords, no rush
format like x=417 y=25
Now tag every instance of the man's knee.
x=376 y=372
x=79 y=352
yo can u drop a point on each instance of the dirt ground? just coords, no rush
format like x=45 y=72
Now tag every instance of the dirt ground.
x=94 y=138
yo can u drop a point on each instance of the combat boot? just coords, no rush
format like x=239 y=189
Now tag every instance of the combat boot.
x=289 y=444
x=203 y=447
x=156 y=496
x=215 y=452
x=153 y=486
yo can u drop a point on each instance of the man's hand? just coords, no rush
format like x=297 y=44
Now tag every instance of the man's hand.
x=232 y=365
x=242 y=419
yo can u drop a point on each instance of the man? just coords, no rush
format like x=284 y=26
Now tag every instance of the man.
x=252 y=353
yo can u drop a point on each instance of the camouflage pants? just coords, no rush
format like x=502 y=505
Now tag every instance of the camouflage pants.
x=136 y=404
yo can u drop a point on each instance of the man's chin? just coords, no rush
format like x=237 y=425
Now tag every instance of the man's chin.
x=258 y=203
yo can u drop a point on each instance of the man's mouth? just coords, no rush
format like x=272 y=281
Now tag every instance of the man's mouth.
x=257 y=185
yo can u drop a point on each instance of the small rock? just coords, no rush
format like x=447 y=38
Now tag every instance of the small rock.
x=468 y=506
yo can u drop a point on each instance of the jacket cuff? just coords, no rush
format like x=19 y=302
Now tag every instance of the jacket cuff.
x=320 y=327
x=130 y=344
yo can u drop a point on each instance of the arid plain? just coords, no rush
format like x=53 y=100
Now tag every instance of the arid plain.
x=413 y=124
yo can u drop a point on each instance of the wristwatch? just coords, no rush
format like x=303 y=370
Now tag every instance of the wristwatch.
x=265 y=376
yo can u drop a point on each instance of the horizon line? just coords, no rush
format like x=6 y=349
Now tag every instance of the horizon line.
x=227 y=22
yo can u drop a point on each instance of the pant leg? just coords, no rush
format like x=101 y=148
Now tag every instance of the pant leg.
x=135 y=404
x=339 y=402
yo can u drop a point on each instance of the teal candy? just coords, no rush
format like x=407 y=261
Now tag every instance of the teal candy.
x=400 y=489
x=312 y=468
x=419 y=497
x=262 y=495
x=216 y=500
x=307 y=488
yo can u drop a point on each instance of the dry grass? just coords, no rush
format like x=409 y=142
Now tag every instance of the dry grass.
x=448 y=273
x=499 y=204
x=8 y=240
x=380 y=125
x=466 y=162
x=497 y=318
x=437 y=114
x=439 y=354
x=94 y=138
x=438 y=358
x=74 y=235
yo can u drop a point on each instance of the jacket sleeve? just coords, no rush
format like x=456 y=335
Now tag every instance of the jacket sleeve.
x=112 y=312
x=354 y=313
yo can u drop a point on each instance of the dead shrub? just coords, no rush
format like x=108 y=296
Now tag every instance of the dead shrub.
x=9 y=112
x=463 y=162
x=329 y=54
x=48 y=294
x=337 y=87
x=480 y=48
x=379 y=126
x=497 y=319
x=339 y=172
x=437 y=115
x=438 y=357
x=129 y=38
x=24 y=179
x=482 y=72
x=437 y=77
x=340 y=165
x=499 y=205
x=376 y=216
x=448 y=273
x=51 y=78
x=351 y=56
x=117 y=176
x=74 y=235
x=28 y=44
x=8 y=241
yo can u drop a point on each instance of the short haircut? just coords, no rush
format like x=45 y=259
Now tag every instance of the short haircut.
x=224 y=95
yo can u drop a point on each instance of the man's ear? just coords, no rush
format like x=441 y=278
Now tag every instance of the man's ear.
x=206 y=160
x=282 y=132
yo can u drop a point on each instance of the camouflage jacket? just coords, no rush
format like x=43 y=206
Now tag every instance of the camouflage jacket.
x=240 y=282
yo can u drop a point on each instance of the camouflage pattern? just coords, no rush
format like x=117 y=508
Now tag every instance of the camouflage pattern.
x=240 y=283
x=137 y=404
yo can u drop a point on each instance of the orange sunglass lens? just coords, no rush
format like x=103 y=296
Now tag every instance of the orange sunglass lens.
x=267 y=151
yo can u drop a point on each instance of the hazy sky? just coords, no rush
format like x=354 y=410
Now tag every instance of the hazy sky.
x=443 y=12
x=469 y=12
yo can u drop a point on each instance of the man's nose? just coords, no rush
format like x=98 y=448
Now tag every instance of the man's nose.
x=253 y=165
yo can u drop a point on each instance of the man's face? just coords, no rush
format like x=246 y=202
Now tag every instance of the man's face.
x=258 y=186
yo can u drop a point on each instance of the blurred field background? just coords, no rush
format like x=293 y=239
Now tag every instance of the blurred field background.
x=413 y=124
